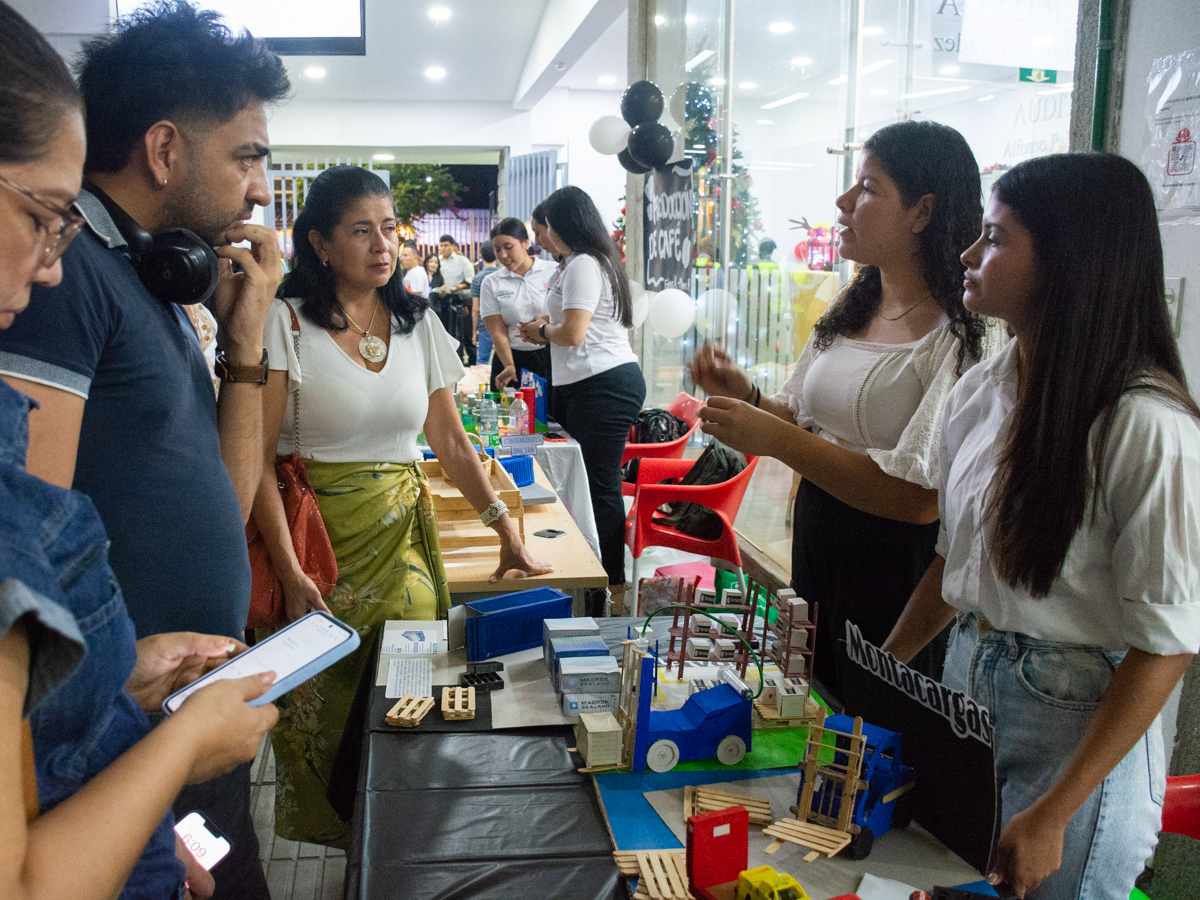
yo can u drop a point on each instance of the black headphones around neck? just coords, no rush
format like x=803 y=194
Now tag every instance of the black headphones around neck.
x=175 y=265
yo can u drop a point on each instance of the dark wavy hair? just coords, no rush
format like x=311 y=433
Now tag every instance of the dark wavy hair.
x=1096 y=327
x=576 y=221
x=922 y=158
x=169 y=61
x=538 y=214
x=36 y=91
x=324 y=205
x=510 y=227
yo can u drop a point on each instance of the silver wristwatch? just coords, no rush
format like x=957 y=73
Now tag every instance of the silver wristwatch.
x=496 y=509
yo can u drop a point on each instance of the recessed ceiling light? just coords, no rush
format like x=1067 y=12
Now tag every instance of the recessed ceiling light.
x=834 y=82
x=697 y=60
x=439 y=15
x=660 y=21
x=316 y=73
x=936 y=93
x=873 y=31
x=784 y=101
x=985 y=98
x=607 y=80
x=764 y=121
x=717 y=81
x=383 y=157
x=748 y=85
x=781 y=27
x=690 y=20
x=799 y=62
x=435 y=73
x=949 y=70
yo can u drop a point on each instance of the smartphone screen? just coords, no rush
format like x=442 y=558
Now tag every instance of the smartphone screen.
x=283 y=653
x=202 y=840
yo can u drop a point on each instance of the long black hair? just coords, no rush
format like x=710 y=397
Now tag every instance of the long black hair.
x=324 y=205
x=922 y=158
x=35 y=92
x=576 y=221
x=1096 y=327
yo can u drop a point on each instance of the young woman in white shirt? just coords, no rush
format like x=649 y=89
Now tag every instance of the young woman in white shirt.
x=1069 y=556
x=374 y=368
x=598 y=384
x=515 y=294
x=859 y=417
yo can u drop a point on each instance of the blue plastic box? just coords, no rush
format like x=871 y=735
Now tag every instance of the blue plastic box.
x=520 y=468
x=507 y=623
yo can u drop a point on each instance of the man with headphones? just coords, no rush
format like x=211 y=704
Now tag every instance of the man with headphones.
x=176 y=141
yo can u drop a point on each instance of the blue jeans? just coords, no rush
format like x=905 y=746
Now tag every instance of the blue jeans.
x=483 y=345
x=1042 y=695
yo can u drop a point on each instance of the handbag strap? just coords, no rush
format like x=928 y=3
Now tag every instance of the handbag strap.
x=296 y=399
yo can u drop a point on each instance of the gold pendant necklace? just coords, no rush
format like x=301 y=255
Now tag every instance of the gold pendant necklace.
x=370 y=348
x=903 y=314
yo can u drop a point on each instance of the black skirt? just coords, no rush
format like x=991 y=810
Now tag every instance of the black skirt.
x=853 y=565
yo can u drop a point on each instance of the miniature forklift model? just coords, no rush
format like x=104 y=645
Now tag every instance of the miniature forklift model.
x=765 y=883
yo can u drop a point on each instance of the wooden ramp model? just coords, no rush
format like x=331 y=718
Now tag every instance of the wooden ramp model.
x=409 y=711
x=822 y=841
x=703 y=798
x=661 y=874
x=458 y=703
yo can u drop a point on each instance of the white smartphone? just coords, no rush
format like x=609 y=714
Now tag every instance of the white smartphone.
x=202 y=840
x=295 y=654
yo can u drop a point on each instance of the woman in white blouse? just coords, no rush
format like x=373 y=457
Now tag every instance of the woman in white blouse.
x=860 y=415
x=1069 y=554
x=598 y=384
x=515 y=294
x=373 y=369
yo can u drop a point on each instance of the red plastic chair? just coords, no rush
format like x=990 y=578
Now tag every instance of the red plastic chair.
x=643 y=529
x=1181 y=806
x=685 y=407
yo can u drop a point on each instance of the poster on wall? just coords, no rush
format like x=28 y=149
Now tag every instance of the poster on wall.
x=669 y=227
x=1173 y=116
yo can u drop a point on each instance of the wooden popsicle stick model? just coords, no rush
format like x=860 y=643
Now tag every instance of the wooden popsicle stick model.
x=409 y=711
x=458 y=703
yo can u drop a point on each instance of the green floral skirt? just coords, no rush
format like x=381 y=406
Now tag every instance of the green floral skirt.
x=381 y=523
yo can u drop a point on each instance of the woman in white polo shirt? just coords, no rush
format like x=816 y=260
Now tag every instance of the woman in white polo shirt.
x=1069 y=552
x=598 y=385
x=514 y=294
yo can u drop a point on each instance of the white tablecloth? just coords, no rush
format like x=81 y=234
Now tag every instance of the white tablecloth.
x=562 y=461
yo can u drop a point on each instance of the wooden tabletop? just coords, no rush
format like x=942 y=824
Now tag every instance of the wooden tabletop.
x=575 y=565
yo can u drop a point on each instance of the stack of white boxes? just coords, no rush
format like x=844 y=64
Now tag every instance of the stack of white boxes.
x=583 y=671
x=598 y=737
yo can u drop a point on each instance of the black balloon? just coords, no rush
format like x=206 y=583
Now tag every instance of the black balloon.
x=641 y=102
x=651 y=144
x=630 y=164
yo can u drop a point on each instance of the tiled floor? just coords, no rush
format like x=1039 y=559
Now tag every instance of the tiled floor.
x=295 y=871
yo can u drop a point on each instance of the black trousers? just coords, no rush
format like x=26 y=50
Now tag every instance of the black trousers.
x=536 y=361
x=597 y=412
x=855 y=566
x=225 y=801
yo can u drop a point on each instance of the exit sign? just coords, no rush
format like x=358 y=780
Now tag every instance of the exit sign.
x=1039 y=76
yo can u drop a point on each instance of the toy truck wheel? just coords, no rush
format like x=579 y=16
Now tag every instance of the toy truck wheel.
x=731 y=750
x=861 y=844
x=662 y=756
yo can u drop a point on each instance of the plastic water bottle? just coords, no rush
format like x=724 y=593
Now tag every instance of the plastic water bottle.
x=489 y=421
x=519 y=415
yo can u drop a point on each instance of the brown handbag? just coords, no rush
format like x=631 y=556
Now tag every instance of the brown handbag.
x=309 y=536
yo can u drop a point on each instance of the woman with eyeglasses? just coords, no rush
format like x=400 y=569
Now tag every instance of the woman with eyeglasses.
x=85 y=786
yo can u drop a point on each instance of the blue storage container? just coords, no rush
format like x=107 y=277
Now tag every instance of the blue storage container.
x=507 y=623
x=520 y=468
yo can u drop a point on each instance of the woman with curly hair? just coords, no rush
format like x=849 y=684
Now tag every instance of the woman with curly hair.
x=860 y=416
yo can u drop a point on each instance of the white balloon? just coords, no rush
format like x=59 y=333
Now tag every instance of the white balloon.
x=640 y=300
x=608 y=135
x=672 y=313
x=714 y=308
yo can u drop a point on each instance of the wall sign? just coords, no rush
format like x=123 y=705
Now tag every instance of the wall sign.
x=1173 y=117
x=669 y=227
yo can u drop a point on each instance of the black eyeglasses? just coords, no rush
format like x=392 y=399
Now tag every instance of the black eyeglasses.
x=57 y=235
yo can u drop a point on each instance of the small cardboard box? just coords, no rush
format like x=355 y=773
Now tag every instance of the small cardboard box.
x=699 y=647
x=589 y=675
x=584 y=626
x=724 y=649
x=792 y=698
x=574 y=705
x=598 y=737
x=799 y=608
x=569 y=647
x=730 y=622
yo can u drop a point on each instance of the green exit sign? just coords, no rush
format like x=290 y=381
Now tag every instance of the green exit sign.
x=1039 y=76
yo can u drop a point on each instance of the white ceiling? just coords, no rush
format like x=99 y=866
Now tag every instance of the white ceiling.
x=606 y=57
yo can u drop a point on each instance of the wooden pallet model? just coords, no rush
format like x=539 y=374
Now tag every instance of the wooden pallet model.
x=458 y=703
x=409 y=711
x=661 y=874
x=703 y=798
x=458 y=521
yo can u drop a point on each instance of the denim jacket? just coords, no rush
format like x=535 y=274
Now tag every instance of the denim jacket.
x=54 y=559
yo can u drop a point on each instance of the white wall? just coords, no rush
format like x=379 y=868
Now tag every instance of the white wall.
x=1158 y=28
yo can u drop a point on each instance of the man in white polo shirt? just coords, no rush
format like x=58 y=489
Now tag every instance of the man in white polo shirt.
x=454 y=296
x=416 y=279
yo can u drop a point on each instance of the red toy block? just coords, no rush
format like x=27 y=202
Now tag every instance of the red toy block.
x=718 y=847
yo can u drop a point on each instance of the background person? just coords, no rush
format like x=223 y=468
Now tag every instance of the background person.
x=85 y=756
x=515 y=294
x=1080 y=485
x=483 y=339
x=359 y=418
x=454 y=295
x=860 y=415
x=416 y=279
x=598 y=384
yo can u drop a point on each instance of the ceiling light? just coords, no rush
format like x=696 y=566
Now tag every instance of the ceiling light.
x=781 y=28
x=799 y=62
x=949 y=70
x=691 y=20
x=660 y=21
x=834 y=82
x=316 y=73
x=936 y=93
x=875 y=67
x=764 y=121
x=439 y=15
x=607 y=80
x=435 y=73
x=985 y=98
x=873 y=31
x=748 y=85
x=383 y=157
x=697 y=60
x=784 y=101
x=717 y=81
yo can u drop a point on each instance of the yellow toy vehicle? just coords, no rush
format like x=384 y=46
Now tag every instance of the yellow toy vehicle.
x=765 y=883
